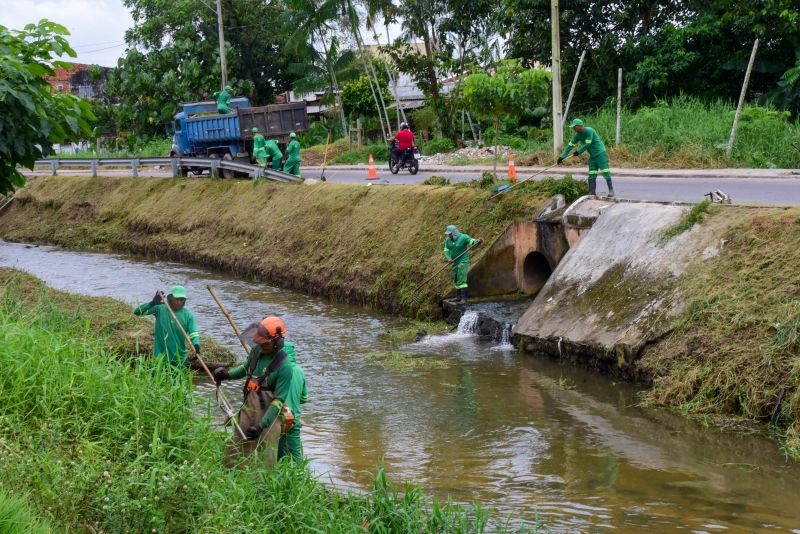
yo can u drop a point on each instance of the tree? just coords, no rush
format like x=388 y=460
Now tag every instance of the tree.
x=32 y=118
x=358 y=100
x=510 y=90
x=173 y=56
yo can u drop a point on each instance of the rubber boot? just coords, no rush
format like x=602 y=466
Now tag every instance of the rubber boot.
x=464 y=295
x=610 y=188
x=592 y=187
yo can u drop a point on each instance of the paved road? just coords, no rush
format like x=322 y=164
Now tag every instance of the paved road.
x=745 y=186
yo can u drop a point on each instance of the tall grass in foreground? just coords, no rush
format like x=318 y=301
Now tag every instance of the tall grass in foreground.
x=16 y=517
x=104 y=446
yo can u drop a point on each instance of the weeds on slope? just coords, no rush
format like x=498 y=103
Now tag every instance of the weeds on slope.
x=735 y=347
x=692 y=217
x=100 y=445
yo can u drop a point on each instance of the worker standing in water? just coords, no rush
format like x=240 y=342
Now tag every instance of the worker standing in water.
x=456 y=252
x=293 y=156
x=169 y=342
x=598 y=157
x=272 y=366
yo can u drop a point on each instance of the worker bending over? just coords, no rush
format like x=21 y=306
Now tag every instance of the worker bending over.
x=456 y=253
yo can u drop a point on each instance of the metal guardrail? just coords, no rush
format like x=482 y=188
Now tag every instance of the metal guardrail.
x=179 y=166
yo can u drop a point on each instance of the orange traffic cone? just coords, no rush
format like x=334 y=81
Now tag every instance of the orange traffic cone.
x=512 y=169
x=372 y=174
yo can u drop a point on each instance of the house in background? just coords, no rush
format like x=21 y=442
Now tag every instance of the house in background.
x=85 y=81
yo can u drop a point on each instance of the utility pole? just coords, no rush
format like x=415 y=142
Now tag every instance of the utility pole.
x=223 y=63
x=735 y=126
x=558 y=130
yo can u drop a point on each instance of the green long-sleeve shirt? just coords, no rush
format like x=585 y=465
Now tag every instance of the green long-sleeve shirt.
x=462 y=243
x=288 y=383
x=293 y=151
x=589 y=140
x=259 y=143
x=169 y=339
x=273 y=150
x=223 y=99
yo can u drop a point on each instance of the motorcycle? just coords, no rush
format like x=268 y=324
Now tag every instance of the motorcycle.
x=410 y=159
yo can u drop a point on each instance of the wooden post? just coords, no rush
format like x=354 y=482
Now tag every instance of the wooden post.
x=358 y=131
x=558 y=130
x=741 y=99
x=572 y=90
x=619 y=102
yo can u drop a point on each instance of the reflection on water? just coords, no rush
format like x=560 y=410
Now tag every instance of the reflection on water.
x=522 y=435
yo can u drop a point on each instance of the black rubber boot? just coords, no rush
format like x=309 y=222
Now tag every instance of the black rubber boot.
x=610 y=188
x=592 y=187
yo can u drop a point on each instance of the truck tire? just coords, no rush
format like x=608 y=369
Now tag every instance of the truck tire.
x=228 y=173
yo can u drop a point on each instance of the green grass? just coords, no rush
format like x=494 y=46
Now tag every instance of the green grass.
x=402 y=361
x=409 y=330
x=16 y=517
x=692 y=217
x=102 y=445
x=155 y=148
x=683 y=132
x=379 y=151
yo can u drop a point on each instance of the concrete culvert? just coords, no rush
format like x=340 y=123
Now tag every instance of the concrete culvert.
x=536 y=270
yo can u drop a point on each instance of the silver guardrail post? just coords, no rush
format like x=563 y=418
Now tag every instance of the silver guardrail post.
x=215 y=168
x=54 y=167
x=175 y=167
x=135 y=167
x=94 y=168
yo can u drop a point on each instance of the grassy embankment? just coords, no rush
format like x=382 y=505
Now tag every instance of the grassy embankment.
x=365 y=245
x=128 y=335
x=680 y=133
x=98 y=445
x=735 y=351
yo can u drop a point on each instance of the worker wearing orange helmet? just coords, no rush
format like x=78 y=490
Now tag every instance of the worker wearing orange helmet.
x=272 y=364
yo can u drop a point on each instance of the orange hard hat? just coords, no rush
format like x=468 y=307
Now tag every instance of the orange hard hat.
x=270 y=328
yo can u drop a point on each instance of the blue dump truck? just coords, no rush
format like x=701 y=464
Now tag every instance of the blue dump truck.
x=203 y=133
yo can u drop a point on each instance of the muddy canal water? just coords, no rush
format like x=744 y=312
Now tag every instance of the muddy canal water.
x=524 y=436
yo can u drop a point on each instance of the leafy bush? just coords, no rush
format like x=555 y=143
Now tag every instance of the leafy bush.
x=436 y=180
x=437 y=146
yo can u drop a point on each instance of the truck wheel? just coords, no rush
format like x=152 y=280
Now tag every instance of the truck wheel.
x=228 y=173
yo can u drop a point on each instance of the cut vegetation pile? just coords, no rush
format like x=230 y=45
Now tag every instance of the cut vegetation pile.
x=95 y=444
x=735 y=352
x=367 y=245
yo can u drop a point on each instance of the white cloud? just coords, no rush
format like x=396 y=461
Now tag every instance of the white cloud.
x=97 y=27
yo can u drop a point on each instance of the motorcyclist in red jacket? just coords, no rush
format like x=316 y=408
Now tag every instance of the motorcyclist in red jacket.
x=405 y=139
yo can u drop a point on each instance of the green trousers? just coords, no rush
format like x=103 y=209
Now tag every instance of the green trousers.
x=290 y=445
x=599 y=165
x=292 y=167
x=459 y=271
x=276 y=161
x=261 y=157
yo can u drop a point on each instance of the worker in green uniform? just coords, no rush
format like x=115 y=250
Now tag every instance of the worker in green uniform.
x=598 y=158
x=169 y=341
x=259 y=148
x=272 y=364
x=456 y=252
x=223 y=98
x=275 y=153
x=293 y=160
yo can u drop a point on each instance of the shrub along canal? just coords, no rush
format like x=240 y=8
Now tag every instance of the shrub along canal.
x=526 y=436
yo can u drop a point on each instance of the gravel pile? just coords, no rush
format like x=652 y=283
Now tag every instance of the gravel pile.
x=469 y=153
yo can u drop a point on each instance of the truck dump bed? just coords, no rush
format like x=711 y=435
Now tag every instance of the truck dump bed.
x=213 y=128
x=274 y=122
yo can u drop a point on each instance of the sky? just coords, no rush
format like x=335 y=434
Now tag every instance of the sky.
x=97 y=27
